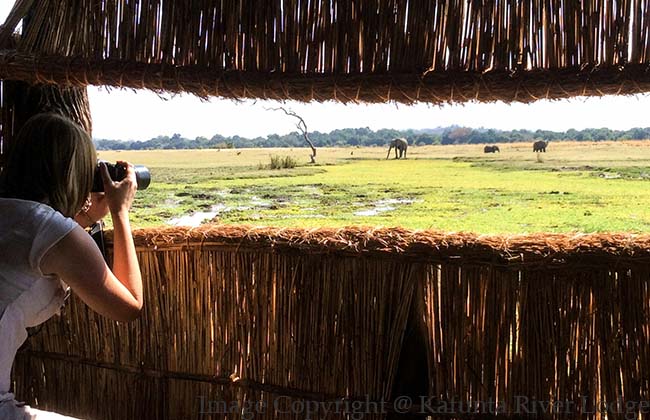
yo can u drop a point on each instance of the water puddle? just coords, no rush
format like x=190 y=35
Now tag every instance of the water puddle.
x=266 y=202
x=383 y=206
x=197 y=218
x=374 y=212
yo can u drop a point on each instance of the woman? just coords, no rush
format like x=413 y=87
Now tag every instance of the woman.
x=44 y=205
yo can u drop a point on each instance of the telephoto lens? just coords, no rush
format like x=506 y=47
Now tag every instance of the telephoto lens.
x=118 y=172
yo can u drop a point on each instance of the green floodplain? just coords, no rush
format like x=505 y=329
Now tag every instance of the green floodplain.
x=573 y=187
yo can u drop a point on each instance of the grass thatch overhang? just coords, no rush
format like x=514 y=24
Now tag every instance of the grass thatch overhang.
x=350 y=51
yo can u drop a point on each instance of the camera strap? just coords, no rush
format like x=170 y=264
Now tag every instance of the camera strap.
x=97 y=233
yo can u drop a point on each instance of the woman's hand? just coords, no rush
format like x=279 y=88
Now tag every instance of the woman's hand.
x=119 y=195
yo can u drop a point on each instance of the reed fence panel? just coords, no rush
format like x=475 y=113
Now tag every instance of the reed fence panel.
x=242 y=321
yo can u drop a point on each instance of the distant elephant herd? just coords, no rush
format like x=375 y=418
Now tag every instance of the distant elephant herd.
x=401 y=144
x=538 y=146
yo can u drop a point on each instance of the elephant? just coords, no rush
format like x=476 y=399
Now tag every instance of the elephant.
x=400 y=144
x=491 y=149
x=540 y=146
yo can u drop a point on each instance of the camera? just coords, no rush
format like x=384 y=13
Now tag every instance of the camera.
x=118 y=172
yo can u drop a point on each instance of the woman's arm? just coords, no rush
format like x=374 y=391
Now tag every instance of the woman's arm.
x=125 y=262
x=76 y=259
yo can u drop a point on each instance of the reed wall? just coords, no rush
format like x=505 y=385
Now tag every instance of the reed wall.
x=286 y=316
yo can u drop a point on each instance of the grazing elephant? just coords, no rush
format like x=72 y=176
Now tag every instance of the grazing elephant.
x=400 y=144
x=540 y=146
x=491 y=149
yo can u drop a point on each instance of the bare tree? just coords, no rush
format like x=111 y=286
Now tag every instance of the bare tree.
x=302 y=126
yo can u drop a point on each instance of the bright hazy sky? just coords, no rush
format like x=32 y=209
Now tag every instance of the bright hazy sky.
x=123 y=114
x=139 y=115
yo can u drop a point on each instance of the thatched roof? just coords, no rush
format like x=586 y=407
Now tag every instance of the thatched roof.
x=346 y=50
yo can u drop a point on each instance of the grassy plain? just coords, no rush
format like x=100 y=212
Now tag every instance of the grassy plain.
x=574 y=187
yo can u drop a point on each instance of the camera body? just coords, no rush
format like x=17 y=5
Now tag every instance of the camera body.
x=118 y=173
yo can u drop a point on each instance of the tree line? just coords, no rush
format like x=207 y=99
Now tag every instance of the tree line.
x=367 y=137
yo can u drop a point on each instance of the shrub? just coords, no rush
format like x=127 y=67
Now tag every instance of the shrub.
x=279 y=162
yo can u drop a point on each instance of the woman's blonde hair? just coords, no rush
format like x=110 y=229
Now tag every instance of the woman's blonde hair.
x=52 y=160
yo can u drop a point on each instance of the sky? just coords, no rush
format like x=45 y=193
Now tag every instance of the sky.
x=126 y=114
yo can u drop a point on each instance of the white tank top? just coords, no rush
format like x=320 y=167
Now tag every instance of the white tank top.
x=27 y=297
